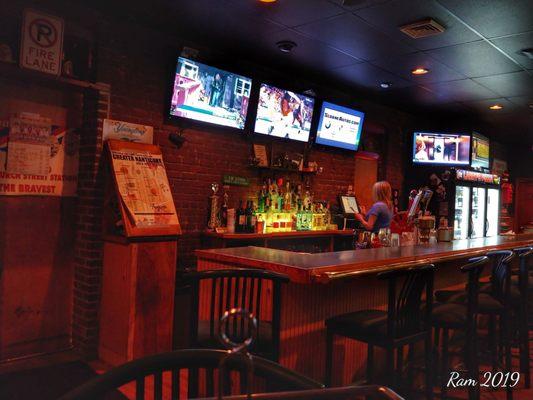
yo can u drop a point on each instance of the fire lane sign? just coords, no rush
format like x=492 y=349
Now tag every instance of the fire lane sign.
x=42 y=42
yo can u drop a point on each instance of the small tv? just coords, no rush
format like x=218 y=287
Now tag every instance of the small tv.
x=284 y=114
x=441 y=148
x=339 y=126
x=480 y=151
x=208 y=94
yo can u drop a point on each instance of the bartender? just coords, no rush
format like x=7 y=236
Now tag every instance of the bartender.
x=380 y=214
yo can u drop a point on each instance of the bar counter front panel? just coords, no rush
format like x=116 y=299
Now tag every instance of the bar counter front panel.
x=327 y=284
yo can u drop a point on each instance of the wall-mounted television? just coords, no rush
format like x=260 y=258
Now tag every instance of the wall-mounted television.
x=480 y=151
x=441 y=148
x=208 y=94
x=285 y=114
x=339 y=126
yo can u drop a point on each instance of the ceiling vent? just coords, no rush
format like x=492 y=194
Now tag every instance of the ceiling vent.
x=423 y=28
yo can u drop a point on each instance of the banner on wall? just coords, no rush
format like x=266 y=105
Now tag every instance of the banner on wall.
x=60 y=178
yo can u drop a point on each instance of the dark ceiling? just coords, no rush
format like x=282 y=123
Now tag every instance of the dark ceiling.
x=475 y=63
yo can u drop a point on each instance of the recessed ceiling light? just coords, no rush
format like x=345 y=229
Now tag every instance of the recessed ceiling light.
x=286 y=46
x=419 y=71
x=267 y=1
x=496 y=107
x=385 y=85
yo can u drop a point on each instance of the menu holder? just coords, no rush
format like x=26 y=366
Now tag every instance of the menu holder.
x=138 y=201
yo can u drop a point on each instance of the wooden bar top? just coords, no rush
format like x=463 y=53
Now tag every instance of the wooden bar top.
x=325 y=267
x=281 y=235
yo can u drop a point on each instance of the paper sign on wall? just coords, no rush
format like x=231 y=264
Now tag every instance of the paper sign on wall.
x=127 y=131
x=42 y=42
x=56 y=161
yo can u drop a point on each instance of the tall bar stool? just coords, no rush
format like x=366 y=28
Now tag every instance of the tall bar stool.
x=255 y=290
x=462 y=317
x=498 y=300
x=403 y=324
x=525 y=285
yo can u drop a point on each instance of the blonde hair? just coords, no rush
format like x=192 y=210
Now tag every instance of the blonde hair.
x=381 y=191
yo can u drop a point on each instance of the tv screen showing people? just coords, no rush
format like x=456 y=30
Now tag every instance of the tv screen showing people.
x=339 y=126
x=441 y=148
x=208 y=94
x=480 y=151
x=285 y=114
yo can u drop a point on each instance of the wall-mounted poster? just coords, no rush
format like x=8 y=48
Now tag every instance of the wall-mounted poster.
x=50 y=171
x=127 y=131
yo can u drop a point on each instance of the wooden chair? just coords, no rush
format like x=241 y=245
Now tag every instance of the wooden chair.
x=205 y=363
x=256 y=290
x=341 y=393
x=402 y=324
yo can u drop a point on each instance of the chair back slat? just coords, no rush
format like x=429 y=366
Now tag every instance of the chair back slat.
x=404 y=305
x=139 y=388
x=158 y=385
x=175 y=386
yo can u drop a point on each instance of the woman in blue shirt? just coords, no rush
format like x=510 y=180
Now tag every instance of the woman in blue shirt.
x=380 y=214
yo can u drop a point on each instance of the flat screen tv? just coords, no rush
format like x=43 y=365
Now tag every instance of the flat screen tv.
x=285 y=114
x=480 y=151
x=208 y=94
x=441 y=148
x=339 y=126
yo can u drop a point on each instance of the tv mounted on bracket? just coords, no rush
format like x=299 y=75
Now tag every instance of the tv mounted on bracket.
x=209 y=94
x=441 y=148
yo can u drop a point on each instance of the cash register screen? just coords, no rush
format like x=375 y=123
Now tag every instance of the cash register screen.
x=349 y=205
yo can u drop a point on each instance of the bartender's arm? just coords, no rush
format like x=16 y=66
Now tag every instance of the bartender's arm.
x=368 y=225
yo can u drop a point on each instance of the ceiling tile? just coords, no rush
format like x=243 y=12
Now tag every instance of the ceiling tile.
x=463 y=90
x=357 y=4
x=523 y=101
x=369 y=76
x=402 y=66
x=290 y=13
x=418 y=95
x=509 y=85
x=352 y=35
x=513 y=44
x=482 y=106
x=494 y=17
x=474 y=59
x=390 y=16
x=308 y=51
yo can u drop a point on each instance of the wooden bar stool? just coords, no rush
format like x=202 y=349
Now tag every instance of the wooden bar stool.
x=403 y=324
x=453 y=316
x=217 y=291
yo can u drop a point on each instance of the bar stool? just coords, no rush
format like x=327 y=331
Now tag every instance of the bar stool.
x=225 y=289
x=453 y=316
x=498 y=300
x=524 y=282
x=401 y=325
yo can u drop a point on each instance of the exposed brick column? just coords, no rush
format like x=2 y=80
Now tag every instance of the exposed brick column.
x=89 y=244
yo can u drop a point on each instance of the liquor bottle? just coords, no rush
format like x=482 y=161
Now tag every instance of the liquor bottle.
x=240 y=219
x=248 y=227
x=261 y=199
x=287 y=200
x=224 y=208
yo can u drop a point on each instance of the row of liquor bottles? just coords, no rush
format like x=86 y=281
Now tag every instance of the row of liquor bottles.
x=279 y=207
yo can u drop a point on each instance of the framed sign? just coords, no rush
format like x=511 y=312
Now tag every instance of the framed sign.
x=127 y=131
x=42 y=42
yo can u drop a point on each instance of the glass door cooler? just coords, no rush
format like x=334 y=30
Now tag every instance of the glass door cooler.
x=475 y=204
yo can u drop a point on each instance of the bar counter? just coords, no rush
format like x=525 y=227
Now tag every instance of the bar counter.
x=327 y=284
x=324 y=267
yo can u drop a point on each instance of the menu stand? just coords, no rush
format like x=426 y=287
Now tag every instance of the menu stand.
x=141 y=229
